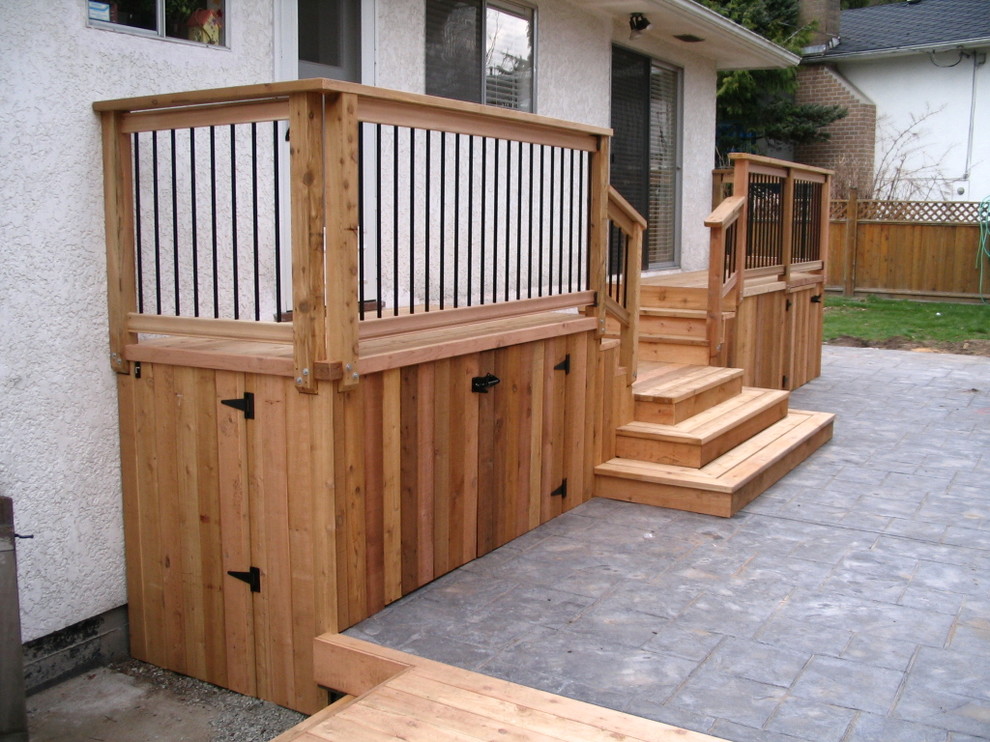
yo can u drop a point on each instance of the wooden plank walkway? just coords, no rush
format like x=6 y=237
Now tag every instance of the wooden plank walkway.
x=394 y=695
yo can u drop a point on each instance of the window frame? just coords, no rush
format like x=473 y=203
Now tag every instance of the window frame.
x=160 y=32
x=522 y=10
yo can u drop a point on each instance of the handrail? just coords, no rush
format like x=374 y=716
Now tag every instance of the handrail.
x=622 y=302
x=325 y=129
x=725 y=270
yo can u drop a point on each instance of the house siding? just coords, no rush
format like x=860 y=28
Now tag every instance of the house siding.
x=59 y=455
x=851 y=145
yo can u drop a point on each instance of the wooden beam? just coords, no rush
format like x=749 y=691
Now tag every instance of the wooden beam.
x=598 y=183
x=226 y=329
x=119 y=219
x=308 y=235
x=342 y=197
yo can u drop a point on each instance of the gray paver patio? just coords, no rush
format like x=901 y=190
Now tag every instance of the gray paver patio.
x=849 y=603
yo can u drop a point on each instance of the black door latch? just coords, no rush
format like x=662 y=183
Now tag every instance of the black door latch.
x=481 y=384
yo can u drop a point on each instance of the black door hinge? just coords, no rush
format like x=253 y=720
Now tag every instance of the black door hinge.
x=245 y=404
x=481 y=384
x=252 y=577
x=816 y=299
x=783 y=383
x=137 y=370
x=564 y=365
x=561 y=491
x=787 y=305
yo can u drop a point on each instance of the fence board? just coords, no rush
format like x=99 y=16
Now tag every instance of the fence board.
x=918 y=249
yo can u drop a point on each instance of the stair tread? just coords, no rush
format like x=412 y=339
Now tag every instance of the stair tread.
x=669 y=338
x=675 y=382
x=674 y=312
x=733 y=469
x=709 y=424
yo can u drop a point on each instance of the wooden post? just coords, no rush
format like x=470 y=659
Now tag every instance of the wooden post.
x=119 y=214
x=740 y=187
x=598 y=227
x=634 y=270
x=851 y=240
x=342 y=196
x=308 y=236
x=787 y=231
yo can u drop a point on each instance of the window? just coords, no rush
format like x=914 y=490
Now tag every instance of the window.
x=646 y=153
x=195 y=20
x=480 y=51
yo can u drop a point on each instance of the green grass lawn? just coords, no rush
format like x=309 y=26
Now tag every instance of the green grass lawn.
x=879 y=319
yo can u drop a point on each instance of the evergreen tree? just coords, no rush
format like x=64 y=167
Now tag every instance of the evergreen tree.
x=755 y=105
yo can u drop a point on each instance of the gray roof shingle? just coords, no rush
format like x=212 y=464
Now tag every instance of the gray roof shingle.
x=923 y=23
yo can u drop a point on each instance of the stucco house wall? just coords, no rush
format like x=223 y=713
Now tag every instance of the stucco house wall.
x=58 y=428
x=939 y=92
x=59 y=456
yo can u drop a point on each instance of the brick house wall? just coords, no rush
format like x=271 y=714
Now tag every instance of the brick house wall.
x=851 y=148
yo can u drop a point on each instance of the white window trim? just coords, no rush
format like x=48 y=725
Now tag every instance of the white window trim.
x=148 y=33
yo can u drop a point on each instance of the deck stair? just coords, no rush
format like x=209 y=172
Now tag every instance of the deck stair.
x=700 y=441
x=672 y=324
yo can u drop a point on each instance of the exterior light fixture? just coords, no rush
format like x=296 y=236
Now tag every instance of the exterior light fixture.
x=638 y=23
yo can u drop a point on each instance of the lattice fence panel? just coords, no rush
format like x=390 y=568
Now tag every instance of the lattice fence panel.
x=838 y=211
x=933 y=212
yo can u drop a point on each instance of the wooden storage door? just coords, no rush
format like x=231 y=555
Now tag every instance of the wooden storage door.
x=761 y=347
x=804 y=349
x=206 y=492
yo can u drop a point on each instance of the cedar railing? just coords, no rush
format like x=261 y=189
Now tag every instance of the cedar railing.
x=774 y=223
x=316 y=213
x=625 y=255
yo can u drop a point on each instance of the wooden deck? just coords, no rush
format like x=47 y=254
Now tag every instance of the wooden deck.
x=394 y=695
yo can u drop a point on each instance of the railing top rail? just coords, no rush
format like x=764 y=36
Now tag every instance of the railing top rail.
x=376 y=99
x=726 y=211
x=782 y=165
x=618 y=206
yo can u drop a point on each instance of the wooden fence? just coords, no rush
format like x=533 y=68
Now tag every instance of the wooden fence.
x=910 y=249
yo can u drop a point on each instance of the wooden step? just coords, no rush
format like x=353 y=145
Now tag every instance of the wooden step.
x=673 y=349
x=673 y=297
x=726 y=484
x=661 y=321
x=401 y=696
x=703 y=437
x=669 y=393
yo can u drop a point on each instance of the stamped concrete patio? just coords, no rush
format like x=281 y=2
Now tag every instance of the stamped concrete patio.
x=851 y=601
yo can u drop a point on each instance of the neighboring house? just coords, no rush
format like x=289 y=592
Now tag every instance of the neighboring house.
x=59 y=457
x=914 y=79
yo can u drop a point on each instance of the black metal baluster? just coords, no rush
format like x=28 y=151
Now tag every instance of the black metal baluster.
x=443 y=216
x=157 y=222
x=519 y=172
x=173 y=167
x=278 y=226
x=539 y=244
x=233 y=221
x=427 y=218
x=395 y=221
x=193 y=220
x=256 y=261
x=412 y=220
x=378 y=214
x=508 y=213
x=583 y=227
x=550 y=245
x=484 y=215
x=531 y=210
x=213 y=222
x=457 y=216
x=361 y=238
x=572 y=244
x=138 y=240
x=470 y=235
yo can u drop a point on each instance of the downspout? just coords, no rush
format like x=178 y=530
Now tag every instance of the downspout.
x=979 y=59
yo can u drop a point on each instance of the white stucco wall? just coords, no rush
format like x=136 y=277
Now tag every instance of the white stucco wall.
x=59 y=455
x=908 y=88
x=58 y=425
